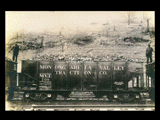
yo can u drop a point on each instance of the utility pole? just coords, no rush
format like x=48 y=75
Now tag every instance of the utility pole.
x=17 y=36
x=62 y=43
x=130 y=17
x=61 y=37
x=147 y=25
x=142 y=32
x=147 y=20
x=108 y=32
x=114 y=27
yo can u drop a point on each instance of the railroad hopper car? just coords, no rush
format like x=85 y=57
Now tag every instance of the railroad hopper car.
x=44 y=80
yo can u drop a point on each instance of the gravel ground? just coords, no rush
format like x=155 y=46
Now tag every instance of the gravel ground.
x=22 y=105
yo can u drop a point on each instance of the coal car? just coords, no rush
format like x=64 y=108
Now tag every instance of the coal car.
x=119 y=80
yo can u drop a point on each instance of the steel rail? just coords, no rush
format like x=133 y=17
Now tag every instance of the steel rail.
x=127 y=105
x=93 y=107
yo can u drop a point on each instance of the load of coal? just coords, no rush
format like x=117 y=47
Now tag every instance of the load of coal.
x=81 y=58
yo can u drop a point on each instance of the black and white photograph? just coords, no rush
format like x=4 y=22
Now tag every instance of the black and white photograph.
x=79 y=60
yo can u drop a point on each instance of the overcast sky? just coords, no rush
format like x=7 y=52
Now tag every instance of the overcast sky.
x=39 y=21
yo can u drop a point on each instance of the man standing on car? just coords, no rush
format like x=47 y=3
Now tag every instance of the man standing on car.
x=15 y=52
x=149 y=53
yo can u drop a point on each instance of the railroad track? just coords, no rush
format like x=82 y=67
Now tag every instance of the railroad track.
x=82 y=104
x=123 y=107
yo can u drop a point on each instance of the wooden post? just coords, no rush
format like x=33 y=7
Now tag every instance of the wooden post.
x=37 y=88
x=142 y=80
x=137 y=81
x=17 y=79
x=149 y=80
x=82 y=80
x=146 y=80
x=132 y=83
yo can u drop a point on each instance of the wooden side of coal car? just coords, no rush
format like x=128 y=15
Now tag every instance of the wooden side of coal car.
x=80 y=76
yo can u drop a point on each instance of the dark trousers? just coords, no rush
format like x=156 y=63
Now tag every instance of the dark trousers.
x=149 y=58
x=14 y=57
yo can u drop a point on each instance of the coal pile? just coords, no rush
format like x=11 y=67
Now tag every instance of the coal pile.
x=115 y=57
x=81 y=58
x=59 y=57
